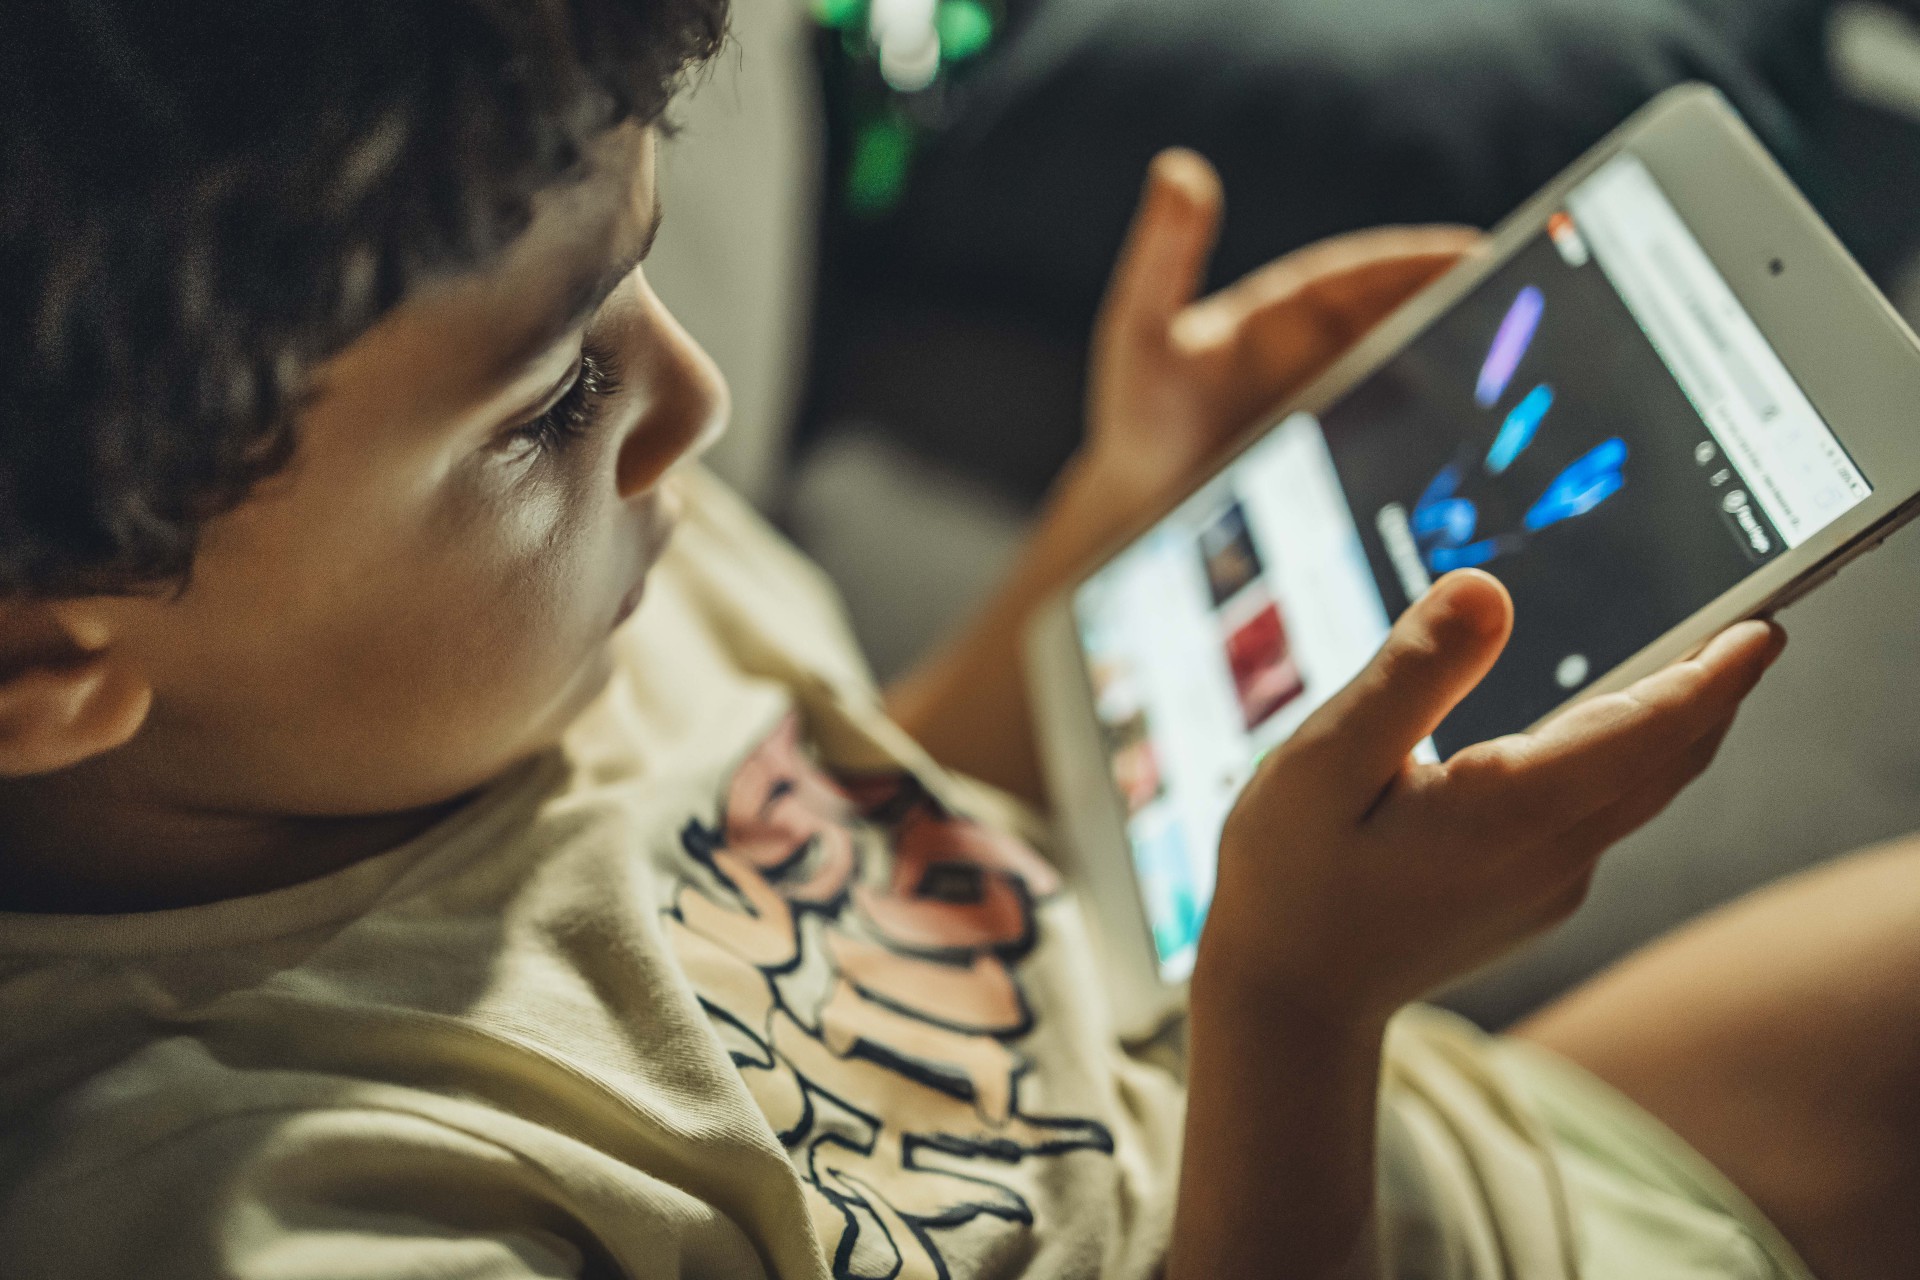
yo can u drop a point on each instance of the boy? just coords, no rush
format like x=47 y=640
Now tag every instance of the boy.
x=379 y=902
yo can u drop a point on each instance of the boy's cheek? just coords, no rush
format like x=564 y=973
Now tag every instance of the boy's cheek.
x=390 y=682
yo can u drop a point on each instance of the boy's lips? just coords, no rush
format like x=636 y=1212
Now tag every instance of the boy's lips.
x=662 y=517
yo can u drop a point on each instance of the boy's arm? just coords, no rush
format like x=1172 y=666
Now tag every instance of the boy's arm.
x=968 y=703
x=1173 y=382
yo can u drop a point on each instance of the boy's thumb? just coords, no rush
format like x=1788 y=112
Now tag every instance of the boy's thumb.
x=1437 y=652
x=1164 y=262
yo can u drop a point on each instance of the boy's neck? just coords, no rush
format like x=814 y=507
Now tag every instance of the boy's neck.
x=69 y=849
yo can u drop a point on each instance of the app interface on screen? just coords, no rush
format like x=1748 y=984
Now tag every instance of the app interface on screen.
x=1599 y=424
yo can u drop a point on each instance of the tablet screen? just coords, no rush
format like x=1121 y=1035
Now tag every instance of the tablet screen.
x=1599 y=424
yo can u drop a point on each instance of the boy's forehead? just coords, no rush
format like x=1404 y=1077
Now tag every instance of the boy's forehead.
x=459 y=343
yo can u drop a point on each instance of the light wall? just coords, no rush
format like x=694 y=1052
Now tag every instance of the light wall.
x=736 y=255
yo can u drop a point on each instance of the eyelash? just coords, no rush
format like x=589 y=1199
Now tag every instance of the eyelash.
x=573 y=414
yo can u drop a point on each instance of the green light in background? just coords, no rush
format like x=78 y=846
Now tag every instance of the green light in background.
x=839 y=13
x=965 y=26
x=877 y=174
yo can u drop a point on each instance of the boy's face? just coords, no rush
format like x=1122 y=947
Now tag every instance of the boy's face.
x=425 y=595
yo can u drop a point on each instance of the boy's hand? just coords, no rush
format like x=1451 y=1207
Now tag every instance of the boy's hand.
x=1354 y=880
x=1174 y=379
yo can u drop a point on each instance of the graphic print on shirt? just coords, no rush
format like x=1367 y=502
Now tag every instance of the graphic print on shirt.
x=876 y=1023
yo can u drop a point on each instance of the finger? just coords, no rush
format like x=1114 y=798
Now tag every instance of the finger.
x=1437 y=652
x=1584 y=845
x=1573 y=860
x=1604 y=749
x=1164 y=261
x=1349 y=282
x=1565 y=901
x=1283 y=326
x=1398 y=266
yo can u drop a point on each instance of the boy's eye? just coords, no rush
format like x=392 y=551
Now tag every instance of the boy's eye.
x=573 y=414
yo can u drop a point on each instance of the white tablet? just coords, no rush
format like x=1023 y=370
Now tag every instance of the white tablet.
x=1664 y=400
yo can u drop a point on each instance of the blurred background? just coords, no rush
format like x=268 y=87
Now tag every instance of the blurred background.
x=891 y=222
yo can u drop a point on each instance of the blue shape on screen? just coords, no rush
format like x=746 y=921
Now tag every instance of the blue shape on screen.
x=1441 y=487
x=1447 y=523
x=1510 y=345
x=1447 y=559
x=1586 y=483
x=1517 y=432
x=1166 y=883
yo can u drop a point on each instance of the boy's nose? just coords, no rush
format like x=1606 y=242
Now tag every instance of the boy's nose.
x=688 y=406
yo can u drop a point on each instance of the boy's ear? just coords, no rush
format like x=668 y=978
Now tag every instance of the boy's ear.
x=65 y=694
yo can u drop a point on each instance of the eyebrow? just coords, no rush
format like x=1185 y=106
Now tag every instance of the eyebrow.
x=586 y=296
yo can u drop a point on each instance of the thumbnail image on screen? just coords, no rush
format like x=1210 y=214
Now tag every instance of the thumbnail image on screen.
x=1599 y=424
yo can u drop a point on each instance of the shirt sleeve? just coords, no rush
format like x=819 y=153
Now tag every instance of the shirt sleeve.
x=351 y=1194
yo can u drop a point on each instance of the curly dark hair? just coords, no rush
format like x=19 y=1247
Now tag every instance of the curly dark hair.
x=201 y=201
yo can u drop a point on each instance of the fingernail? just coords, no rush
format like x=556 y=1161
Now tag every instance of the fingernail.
x=1186 y=171
x=1469 y=598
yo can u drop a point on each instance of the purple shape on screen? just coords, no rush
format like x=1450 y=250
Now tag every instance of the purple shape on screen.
x=1509 y=346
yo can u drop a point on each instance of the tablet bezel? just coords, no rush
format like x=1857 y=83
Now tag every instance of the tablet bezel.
x=1854 y=356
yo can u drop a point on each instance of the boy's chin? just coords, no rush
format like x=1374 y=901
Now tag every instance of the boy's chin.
x=550 y=727
x=587 y=691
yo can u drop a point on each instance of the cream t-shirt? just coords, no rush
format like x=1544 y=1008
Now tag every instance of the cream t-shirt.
x=737 y=984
